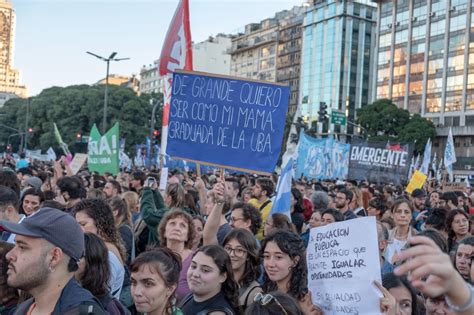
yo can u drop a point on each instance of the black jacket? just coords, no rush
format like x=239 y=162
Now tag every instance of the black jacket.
x=74 y=300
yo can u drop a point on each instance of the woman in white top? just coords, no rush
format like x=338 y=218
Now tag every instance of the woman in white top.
x=402 y=213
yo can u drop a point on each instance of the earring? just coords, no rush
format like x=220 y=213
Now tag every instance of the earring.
x=50 y=269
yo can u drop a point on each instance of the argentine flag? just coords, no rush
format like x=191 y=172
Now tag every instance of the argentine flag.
x=425 y=165
x=282 y=203
x=450 y=155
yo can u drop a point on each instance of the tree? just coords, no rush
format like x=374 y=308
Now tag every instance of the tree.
x=75 y=109
x=384 y=121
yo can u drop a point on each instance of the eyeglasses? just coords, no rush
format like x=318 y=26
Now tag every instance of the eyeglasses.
x=238 y=252
x=265 y=299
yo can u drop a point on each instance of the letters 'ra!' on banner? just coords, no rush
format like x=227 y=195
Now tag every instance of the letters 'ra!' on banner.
x=227 y=122
x=379 y=162
x=103 y=151
x=343 y=261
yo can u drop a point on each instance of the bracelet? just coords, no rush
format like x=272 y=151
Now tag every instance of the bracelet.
x=219 y=202
x=464 y=307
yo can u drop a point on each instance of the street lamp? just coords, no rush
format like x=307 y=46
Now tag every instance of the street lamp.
x=107 y=60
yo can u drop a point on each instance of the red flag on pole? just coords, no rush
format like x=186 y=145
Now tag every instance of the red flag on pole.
x=175 y=54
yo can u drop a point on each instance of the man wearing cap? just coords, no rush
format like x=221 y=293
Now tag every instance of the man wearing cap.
x=48 y=247
x=418 y=197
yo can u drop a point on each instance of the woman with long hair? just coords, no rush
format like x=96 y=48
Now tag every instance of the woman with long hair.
x=94 y=273
x=176 y=232
x=95 y=216
x=402 y=213
x=123 y=222
x=241 y=245
x=284 y=261
x=155 y=277
x=212 y=284
x=458 y=225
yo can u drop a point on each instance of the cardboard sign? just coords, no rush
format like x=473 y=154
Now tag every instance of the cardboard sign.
x=77 y=162
x=454 y=187
x=343 y=261
x=227 y=122
x=417 y=181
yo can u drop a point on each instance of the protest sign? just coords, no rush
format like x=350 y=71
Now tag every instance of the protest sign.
x=417 y=181
x=343 y=261
x=103 y=151
x=449 y=186
x=379 y=162
x=77 y=162
x=322 y=158
x=227 y=122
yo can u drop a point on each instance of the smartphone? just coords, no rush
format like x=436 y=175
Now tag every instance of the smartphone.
x=150 y=181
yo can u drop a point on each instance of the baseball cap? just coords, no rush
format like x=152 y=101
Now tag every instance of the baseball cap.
x=34 y=182
x=55 y=226
x=418 y=193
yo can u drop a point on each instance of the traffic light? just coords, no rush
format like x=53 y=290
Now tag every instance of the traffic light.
x=78 y=137
x=30 y=130
x=156 y=137
x=322 y=113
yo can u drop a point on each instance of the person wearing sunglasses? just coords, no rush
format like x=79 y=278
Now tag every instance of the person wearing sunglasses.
x=284 y=261
x=274 y=303
x=241 y=245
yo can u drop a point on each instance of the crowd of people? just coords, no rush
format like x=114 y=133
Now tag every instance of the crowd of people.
x=103 y=244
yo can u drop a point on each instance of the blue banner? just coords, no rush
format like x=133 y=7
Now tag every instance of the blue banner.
x=322 y=158
x=226 y=121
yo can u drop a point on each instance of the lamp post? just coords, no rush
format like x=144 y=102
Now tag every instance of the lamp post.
x=107 y=60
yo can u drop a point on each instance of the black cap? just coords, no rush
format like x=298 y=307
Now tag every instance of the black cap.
x=418 y=193
x=55 y=226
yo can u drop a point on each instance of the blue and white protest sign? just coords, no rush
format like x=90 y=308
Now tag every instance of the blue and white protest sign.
x=322 y=158
x=226 y=121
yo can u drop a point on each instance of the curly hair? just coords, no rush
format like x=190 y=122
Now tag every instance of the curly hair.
x=449 y=222
x=96 y=275
x=99 y=211
x=170 y=215
x=72 y=185
x=163 y=261
x=251 y=213
x=230 y=288
x=292 y=245
x=252 y=263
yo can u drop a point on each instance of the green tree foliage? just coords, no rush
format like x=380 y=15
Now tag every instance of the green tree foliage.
x=75 y=109
x=384 y=121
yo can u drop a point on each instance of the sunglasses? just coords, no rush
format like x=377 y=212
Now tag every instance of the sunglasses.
x=265 y=299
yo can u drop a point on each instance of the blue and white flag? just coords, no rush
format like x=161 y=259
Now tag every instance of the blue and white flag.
x=449 y=155
x=425 y=165
x=282 y=203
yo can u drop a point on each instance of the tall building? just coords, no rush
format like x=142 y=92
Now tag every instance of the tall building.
x=9 y=77
x=150 y=79
x=270 y=51
x=289 y=54
x=338 y=42
x=425 y=64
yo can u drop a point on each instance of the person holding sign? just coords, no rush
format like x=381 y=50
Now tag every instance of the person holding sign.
x=284 y=261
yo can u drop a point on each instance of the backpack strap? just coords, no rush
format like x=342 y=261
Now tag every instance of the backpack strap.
x=264 y=204
x=217 y=309
x=250 y=290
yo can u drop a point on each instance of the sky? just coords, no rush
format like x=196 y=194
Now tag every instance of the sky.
x=52 y=36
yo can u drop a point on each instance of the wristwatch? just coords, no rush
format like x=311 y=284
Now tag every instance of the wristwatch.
x=464 y=307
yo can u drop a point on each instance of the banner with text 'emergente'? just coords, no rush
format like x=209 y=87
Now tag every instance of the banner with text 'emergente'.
x=103 y=151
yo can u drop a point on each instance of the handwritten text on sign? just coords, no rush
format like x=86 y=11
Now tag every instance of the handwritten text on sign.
x=343 y=261
x=227 y=121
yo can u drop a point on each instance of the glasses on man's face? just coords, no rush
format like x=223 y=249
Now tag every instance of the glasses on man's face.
x=265 y=299
x=238 y=252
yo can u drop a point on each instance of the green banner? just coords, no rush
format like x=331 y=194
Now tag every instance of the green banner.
x=103 y=151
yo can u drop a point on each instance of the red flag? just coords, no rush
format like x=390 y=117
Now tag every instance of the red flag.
x=175 y=54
